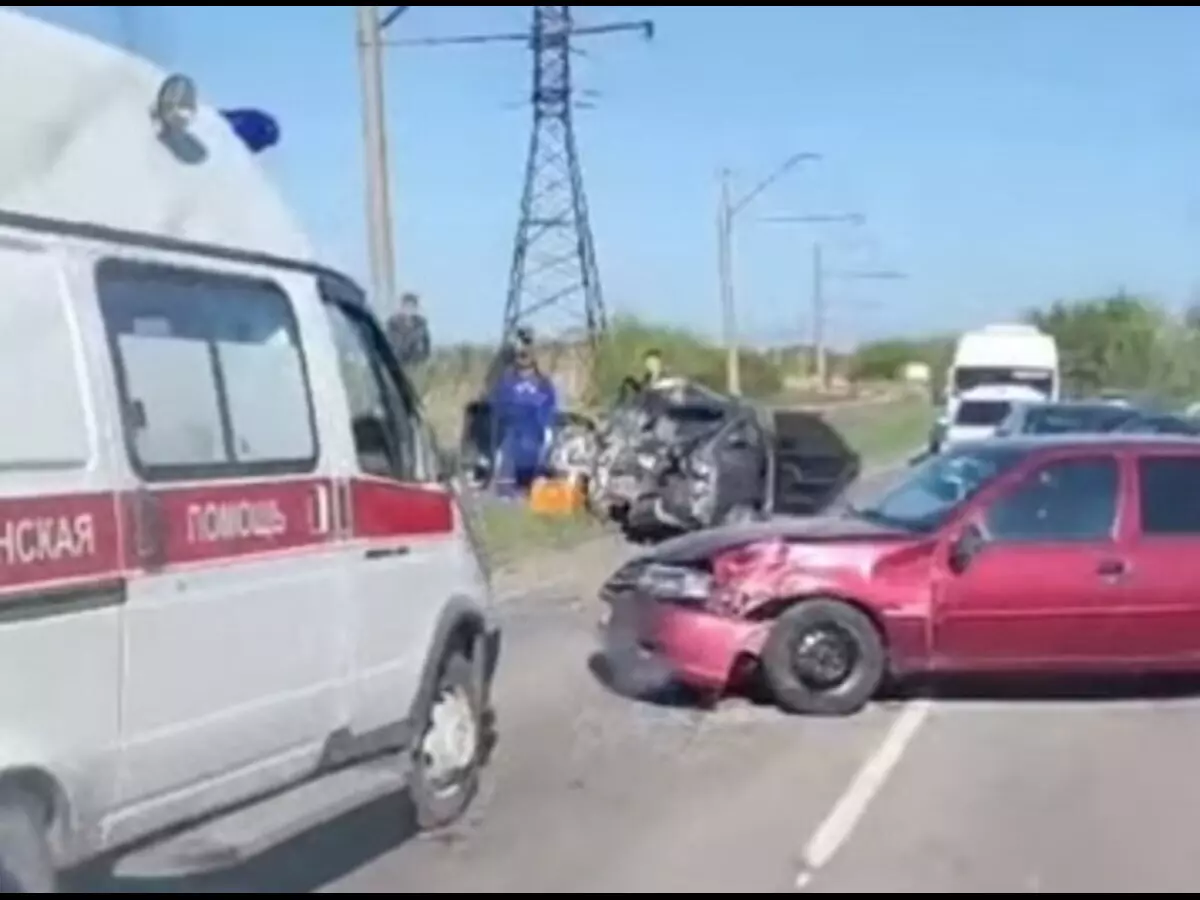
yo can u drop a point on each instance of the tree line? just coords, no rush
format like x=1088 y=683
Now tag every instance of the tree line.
x=1121 y=342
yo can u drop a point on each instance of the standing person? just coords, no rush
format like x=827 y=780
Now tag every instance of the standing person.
x=652 y=374
x=524 y=404
x=483 y=435
x=522 y=337
x=652 y=368
x=408 y=331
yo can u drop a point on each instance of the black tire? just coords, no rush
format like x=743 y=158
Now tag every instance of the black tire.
x=438 y=805
x=840 y=631
x=26 y=866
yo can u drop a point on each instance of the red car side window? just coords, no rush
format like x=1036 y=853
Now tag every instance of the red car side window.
x=1064 y=500
x=1170 y=495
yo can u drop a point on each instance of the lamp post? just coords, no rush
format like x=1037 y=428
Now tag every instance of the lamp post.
x=820 y=355
x=820 y=274
x=727 y=214
x=371 y=25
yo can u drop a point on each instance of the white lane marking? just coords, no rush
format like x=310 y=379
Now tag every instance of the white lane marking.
x=841 y=821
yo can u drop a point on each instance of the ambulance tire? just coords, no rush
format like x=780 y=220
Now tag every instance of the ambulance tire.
x=437 y=806
x=26 y=866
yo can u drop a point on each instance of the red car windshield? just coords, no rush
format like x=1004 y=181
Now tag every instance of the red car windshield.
x=926 y=499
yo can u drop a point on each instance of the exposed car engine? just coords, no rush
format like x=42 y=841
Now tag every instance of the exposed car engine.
x=678 y=457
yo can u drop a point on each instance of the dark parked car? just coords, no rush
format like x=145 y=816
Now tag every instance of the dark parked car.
x=1072 y=417
x=1093 y=417
x=1161 y=423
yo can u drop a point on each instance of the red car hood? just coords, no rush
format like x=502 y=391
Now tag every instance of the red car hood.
x=702 y=546
x=757 y=564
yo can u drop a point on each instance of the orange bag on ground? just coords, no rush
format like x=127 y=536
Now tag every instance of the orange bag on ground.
x=555 y=497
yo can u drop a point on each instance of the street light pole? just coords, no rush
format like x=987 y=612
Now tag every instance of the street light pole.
x=727 y=213
x=733 y=379
x=820 y=353
x=820 y=357
x=380 y=242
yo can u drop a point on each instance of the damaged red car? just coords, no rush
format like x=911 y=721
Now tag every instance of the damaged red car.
x=1052 y=555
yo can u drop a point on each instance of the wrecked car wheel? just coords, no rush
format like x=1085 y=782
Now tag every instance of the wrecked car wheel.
x=824 y=658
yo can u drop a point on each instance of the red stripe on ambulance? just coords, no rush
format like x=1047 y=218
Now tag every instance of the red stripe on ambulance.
x=384 y=509
x=78 y=537
x=216 y=522
x=58 y=538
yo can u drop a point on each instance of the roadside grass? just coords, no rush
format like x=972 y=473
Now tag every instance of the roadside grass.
x=880 y=432
x=885 y=432
x=511 y=532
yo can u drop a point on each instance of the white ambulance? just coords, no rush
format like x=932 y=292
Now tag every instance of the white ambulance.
x=230 y=568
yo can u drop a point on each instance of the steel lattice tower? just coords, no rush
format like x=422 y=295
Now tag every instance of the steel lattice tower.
x=554 y=254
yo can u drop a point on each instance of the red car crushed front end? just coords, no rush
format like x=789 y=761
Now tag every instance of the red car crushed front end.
x=659 y=640
x=700 y=613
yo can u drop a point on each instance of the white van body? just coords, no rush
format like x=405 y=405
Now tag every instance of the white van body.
x=999 y=355
x=1005 y=354
x=228 y=566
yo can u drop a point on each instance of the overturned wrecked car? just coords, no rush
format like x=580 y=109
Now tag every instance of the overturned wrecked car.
x=678 y=457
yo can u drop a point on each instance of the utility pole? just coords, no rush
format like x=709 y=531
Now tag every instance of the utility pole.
x=821 y=274
x=381 y=245
x=733 y=374
x=380 y=240
x=820 y=353
x=727 y=214
x=820 y=358
x=554 y=258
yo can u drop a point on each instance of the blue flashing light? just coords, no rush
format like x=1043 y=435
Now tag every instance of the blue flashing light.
x=258 y=130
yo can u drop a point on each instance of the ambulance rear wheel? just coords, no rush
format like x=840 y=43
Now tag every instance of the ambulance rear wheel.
x=26 y=866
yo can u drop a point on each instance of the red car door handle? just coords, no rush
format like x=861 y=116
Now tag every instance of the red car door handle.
x=387 y=552
x=1112 y=568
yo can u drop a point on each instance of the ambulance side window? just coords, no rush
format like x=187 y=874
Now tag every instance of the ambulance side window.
x=381 y=418
x=211 y=373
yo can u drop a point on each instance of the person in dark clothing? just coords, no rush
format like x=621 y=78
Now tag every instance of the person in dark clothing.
x=408 y=331
x=524 y=404
x=483 y=433
x=522 y=339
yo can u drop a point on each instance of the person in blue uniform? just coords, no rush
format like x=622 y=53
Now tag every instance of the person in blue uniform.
x=524 y=404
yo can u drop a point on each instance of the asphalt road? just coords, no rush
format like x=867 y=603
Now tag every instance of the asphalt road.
x=962 y=792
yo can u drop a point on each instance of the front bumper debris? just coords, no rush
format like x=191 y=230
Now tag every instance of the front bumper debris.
x=650 y=644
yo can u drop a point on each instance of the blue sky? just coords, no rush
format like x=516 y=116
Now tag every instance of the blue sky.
x=1004 y=156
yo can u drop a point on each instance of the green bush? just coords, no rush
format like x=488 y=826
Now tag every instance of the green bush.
x=884 y=360
x=684 y=353
x=1123 y=341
